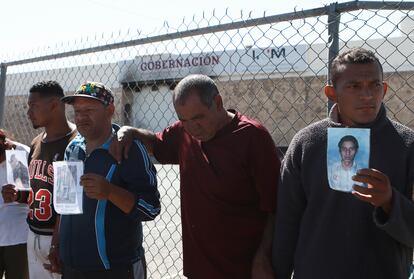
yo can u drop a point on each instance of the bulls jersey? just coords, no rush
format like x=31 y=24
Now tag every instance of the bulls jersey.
x=42 y=216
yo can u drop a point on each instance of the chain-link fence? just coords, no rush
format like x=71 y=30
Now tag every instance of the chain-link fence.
x=272 y=68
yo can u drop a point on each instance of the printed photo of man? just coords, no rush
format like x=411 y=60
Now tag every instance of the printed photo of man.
x=20 y=173
x=342 y=171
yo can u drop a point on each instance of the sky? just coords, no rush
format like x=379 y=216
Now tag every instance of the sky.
x=27 y=25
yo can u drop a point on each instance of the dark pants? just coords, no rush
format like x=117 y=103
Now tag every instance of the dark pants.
x=13 y=262
x=135 y=271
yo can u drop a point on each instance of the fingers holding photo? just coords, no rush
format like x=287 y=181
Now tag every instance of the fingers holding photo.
x=9 y=193
x=378 y=191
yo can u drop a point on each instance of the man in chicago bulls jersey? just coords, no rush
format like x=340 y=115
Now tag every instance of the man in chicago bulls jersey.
x=47 y=111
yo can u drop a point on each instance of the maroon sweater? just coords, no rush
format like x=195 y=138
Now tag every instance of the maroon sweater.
x=228 y=186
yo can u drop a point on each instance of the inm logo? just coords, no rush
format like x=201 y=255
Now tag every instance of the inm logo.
x=269 y=52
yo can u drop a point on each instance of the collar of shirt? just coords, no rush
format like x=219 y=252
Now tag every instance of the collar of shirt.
x=76 y=150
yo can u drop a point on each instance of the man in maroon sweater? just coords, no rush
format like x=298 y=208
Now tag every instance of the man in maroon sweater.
x=229 y=172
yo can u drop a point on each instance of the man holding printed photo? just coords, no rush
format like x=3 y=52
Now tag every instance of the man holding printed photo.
x=322 y=233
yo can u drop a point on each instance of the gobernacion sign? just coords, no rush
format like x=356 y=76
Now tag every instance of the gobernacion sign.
x=224 y=63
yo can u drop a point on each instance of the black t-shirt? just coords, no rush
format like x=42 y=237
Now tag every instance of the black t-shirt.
x=42 y=216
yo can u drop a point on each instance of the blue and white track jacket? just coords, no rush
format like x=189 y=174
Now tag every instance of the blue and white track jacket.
x=104 y=237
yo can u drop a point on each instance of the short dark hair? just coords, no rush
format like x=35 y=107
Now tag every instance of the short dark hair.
x=356 y=55
x=48 y=88
x=348 y=138
x=202 y=85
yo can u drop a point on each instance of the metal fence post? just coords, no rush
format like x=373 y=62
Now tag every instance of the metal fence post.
x=334 y=18
x=3 y=73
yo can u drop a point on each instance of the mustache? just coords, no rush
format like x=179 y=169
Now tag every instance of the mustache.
x=368 y=105
x=82 y=123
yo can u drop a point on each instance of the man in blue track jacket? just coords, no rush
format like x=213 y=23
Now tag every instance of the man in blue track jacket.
x=106 y=240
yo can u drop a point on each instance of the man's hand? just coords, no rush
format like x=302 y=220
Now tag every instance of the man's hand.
x=121 y=144
x=96 y=186
x=9 y=193
x=55 y=265
x=378 y=192
x=262 y=267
